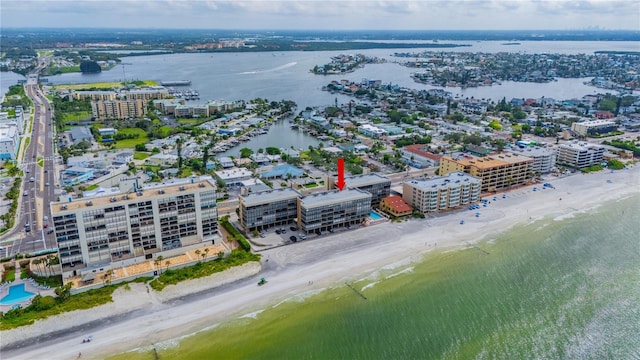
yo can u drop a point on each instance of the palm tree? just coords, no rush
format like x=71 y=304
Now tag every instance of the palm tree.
x=197 y=252
x=206 y=252
x=157 y=262
x=167 y=263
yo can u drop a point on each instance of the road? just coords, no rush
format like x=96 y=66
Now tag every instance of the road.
x=38 y=185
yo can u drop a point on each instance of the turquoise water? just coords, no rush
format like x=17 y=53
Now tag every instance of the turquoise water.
x=16 y=294
x=375 y=216
x=565 y=289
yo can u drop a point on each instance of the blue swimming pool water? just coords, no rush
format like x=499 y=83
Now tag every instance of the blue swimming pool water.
x=16 y=294
x=374 y=216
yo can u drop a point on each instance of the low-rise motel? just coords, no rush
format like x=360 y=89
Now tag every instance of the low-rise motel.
x=497 y=172
x=442 y=193
x=98 y=233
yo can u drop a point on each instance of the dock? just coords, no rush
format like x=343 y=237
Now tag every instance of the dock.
x=176 y=83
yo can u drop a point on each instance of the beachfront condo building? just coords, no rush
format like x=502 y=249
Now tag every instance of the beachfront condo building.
x=544 y=159
x=327 y=210
x=261 y=210
x=580 y=154
x=497 y=172
x=94 y=233
x=442 y=193
x=375 y=184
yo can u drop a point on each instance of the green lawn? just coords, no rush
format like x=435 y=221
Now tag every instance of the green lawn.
x=189 y=121
x=102 y=85
x=92 y=187
x=164 y=131
x=138 y=155
x=40 y=161
x=73 y=116
x=131 y=143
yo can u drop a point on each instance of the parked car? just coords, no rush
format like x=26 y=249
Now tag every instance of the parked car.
x=25 y=193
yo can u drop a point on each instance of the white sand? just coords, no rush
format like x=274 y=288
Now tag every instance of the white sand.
x=326 y=262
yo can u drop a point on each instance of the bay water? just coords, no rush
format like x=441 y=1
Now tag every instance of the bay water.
x=564 y=288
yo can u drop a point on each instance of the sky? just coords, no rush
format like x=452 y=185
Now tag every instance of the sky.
x=325 y=14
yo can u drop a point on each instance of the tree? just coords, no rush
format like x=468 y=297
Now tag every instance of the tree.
x=179 y=148
x=197 y=252
x=89 y=66
x=158 y=261
x=167 y=263
x=220 y=254
x=245 y=152
x=206 y=252
x=64 y=292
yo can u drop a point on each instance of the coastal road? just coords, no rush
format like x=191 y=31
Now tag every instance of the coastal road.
x=38 y=164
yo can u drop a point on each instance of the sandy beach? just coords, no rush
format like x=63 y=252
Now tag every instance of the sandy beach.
x=141 y=319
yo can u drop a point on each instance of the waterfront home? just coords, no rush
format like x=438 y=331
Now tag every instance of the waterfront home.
x=225 y=161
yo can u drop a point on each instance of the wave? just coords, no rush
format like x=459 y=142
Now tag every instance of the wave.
x=281 y=67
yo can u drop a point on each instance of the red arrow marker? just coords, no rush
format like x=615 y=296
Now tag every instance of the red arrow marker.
x=340 y=183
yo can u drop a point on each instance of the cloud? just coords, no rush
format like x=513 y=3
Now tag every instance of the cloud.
x=323 y=14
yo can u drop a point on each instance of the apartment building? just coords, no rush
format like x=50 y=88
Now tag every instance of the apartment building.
x=580 y=154
x=497 y=172
x=264 y=209
x=146 y=94
x=98 y=232
x=442 y=193
x=118 y=109
x=9 y=141
x=97 y=95
x=601 y=126
x=544 y=159
x=327 y=210
x=375 y=184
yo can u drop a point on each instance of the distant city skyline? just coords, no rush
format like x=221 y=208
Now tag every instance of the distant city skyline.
x=324 y=15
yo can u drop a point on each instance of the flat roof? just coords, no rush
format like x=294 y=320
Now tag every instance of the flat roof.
x=365 y=179
x=452 y=180
x=146 y=194
x=488 y=162
x=534 y=151
x=333 y=197
x=268 y=196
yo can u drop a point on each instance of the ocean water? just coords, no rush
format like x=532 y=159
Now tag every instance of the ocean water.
x=554 y=289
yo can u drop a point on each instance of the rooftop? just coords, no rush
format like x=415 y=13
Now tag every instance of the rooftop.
x=333 y=197
x=365 y=179
x=283 y=171
x=490 y=161
x=534 y=151
x=452 y=180
x=146 y=194
x=268 y=196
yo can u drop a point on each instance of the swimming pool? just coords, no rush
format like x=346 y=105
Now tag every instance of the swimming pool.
x=16 y=294
x=374 y=216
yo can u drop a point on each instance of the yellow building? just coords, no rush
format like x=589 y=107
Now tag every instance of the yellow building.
x=497 y=172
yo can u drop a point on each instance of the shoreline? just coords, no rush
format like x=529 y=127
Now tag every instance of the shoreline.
x=321 y=262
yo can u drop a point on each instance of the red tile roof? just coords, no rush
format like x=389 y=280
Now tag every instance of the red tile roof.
x=418 y=149
x=397 y=204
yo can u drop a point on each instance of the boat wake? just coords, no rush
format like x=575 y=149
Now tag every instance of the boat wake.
x=281 y=67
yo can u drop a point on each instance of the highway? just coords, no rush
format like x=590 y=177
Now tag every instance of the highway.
x=39 y=182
